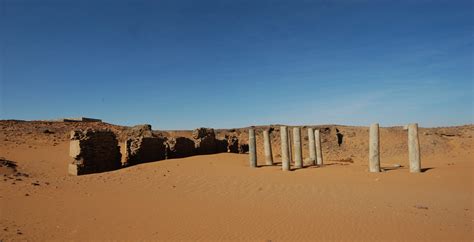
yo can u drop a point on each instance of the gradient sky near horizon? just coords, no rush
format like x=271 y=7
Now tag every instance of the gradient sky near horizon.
x=222 y=64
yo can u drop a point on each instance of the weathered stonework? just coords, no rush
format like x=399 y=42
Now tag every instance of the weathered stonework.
x=414 y=148
x=93 y=151
x=319 y=150
x=252 y=148
x=221 y=145
x=267 y=148
x=142 y=130
x=243 y=148
x=143 y=149
x=205 y=141
x=311 y=146
x=179 y=147
x=232 y=143
x=285 y=149
x=374 y=148
x=297 y=147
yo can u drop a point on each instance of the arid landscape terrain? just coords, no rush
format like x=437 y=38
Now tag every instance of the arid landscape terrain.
x=219 y=197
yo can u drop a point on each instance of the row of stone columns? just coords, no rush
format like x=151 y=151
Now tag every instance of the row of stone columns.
x=315 y=150
x=286 y=150
x=413 y=148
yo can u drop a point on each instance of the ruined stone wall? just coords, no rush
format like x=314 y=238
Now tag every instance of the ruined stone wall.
x=179 y=147
x=93 y=151
x=143 y=149
x=98 y=150
x=232 y=143
x=205 y=141
x=235 y=140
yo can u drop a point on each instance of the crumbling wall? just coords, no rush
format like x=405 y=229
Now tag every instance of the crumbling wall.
x=93 y=151
x=205 y=141
x=243 y=148
x=179 y=147
x=143 y=149
x=236 y=141
x=221 y=145
x=96 y=151
x=232 y=143
x=140 y=145
x=142 y=130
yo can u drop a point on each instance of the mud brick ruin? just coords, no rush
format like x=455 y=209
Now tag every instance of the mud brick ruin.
x=205 y=141
x=179 y=147
x=98 y=150
x=93 y=151
x=143 y=149
x=141 y=146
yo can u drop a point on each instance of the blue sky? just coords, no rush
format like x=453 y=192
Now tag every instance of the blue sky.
x=222 y=64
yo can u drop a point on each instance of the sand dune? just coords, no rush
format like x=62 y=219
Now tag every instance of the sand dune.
x=218 y=197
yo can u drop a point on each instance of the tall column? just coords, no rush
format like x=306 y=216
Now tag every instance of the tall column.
x=374 y=148
x=312 y=147
x=297 y=151
x=268 y=148
x=414 y=148
x=252 y=149
x=290 y=146
x=285 y=153
x=319 y=150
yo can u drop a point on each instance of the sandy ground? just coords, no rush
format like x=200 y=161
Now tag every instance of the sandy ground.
x=218 y=197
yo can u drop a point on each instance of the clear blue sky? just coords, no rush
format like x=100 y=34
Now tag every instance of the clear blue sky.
x=186 y=64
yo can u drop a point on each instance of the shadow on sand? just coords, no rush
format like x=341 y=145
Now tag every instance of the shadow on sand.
x=391 y=168
x=423 y=170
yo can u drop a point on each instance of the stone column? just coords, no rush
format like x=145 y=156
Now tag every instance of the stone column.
x=290 y=146
x=285 y=153
x=319 y=150
x=374 y=148
x=414 y=148
x=297 y=151
x=252 y=149
x=312 y=147
x=267 y=145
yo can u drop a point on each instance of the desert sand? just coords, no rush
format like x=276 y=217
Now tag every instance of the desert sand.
x=218 y=197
